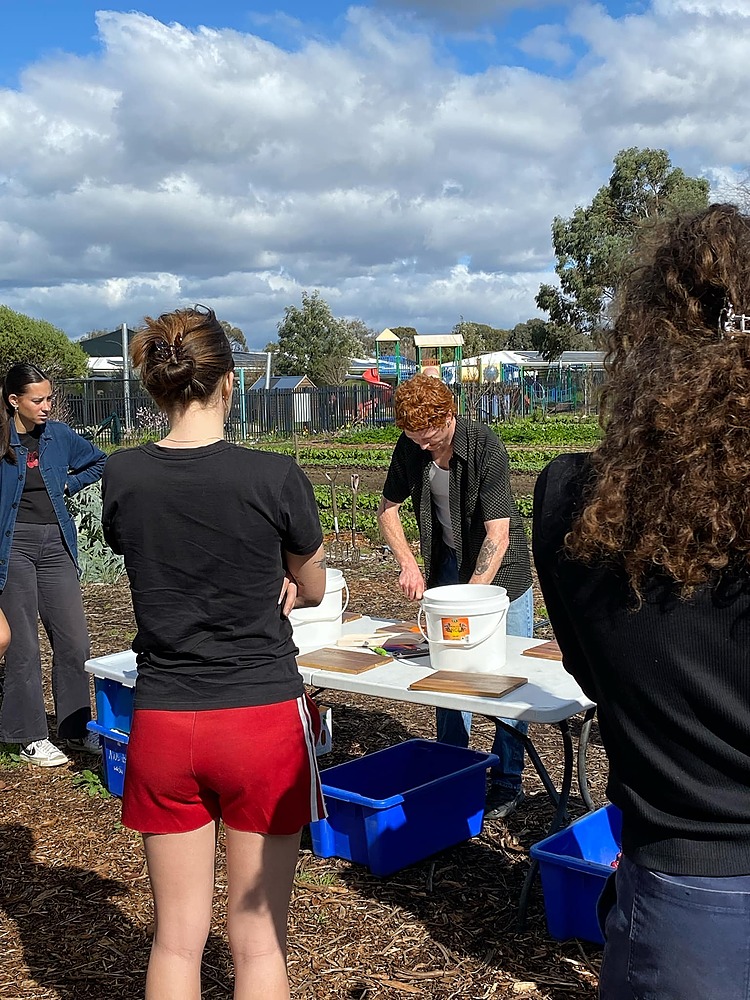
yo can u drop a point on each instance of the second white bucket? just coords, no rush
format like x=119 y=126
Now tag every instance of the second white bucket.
x=465 y=627
x=321 y=626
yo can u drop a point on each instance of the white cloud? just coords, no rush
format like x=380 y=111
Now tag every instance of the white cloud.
x=547 y=41
x=213 y=166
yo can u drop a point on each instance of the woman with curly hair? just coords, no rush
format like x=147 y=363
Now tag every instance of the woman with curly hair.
x=643 y=554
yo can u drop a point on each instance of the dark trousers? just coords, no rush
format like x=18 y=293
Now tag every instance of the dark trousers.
x=43 y=583
x=675 y=937
x=454 y=727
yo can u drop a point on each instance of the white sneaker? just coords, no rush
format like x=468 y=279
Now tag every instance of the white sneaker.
x=43 y=754
x=89 y=744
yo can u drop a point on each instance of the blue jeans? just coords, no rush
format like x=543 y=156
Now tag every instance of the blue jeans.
x=676 y=937
x=454 y=727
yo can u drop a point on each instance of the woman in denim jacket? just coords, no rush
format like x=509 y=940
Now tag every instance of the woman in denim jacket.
x=41 y=462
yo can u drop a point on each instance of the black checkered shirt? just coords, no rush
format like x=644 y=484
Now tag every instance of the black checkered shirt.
x=479 y=491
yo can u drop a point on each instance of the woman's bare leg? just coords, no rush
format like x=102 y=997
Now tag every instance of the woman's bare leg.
x=181 y=869
x=260 y=873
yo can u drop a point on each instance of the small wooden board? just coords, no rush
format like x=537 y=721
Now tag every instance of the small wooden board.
x=400 y=627
x=462 y=682
x=546 y=651
x=350 y=616
x=346 y=661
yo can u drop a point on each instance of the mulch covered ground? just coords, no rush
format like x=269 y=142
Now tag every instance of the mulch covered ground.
x=75 y=905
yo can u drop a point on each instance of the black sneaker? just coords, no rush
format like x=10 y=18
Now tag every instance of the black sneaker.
x=501 y=801
x=88 y=744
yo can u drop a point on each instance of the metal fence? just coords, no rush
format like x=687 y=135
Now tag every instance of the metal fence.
x=116 y=411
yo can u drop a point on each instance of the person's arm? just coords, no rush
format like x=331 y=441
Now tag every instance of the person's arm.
x=85 y=462
x=410 y=578
x=493 y=550
x=305 y=580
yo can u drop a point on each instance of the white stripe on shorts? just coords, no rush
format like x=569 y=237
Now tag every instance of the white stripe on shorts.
x=315 y=789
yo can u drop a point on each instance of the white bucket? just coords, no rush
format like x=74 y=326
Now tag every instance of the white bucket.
x=321 y=626
x=465 y=627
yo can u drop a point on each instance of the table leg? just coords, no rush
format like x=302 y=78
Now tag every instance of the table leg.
x=583 y=743
x=557 y=819
x=534 y=757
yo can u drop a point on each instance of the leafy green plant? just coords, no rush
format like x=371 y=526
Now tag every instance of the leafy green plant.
x=564 y=431
x=9 y=756
x=367 y=505
x=525 y=504
x=98 y=562
x=91 y=783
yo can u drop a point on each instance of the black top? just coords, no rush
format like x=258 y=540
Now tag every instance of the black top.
x=35 y=506
x=479 y=491
x=672 y=685
x=202 y=530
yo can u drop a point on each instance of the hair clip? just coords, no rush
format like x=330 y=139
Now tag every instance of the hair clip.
x=731 y=322
x=165 y=352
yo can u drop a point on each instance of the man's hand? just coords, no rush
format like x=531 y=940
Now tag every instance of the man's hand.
x=410 y=579
x=411 y=582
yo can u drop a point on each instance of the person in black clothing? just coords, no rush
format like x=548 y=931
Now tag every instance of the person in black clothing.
x=220 y=543
x=456 y=473
x=643 y=555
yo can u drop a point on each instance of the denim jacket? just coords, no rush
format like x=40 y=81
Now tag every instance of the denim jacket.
x=65 y=460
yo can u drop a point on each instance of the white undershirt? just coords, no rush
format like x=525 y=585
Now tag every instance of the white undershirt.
x=440 y=489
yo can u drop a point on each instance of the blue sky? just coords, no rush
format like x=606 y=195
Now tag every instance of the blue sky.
x=37 y=29
x=404 y=157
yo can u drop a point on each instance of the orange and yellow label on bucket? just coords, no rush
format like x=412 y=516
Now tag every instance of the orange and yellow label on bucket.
x=455 y=629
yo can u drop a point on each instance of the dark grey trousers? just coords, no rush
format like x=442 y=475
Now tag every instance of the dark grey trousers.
x=43 y=583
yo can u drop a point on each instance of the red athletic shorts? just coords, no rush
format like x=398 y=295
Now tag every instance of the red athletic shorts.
x=254 y=768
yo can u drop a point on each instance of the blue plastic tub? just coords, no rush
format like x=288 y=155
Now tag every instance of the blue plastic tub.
x=574 y=865
x=114 y=756
x=397 y=806
x=114 y=704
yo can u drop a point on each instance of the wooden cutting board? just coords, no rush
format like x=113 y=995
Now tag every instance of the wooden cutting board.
x=461 y=682
x=346 y=661
x=400 y=627
x=350 y=616
x=547 y=651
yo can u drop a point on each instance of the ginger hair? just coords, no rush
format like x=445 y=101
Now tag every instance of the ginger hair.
x=671 y=478
x=422 y=402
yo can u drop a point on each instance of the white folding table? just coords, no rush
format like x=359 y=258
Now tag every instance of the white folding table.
x=550 y=696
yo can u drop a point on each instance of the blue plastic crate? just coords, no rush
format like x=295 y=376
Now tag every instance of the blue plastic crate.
x=114 y=704
x=397 y=806
x=114 y=756
x=574 y=865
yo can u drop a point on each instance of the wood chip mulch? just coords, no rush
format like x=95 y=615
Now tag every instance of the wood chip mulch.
x=75 y=904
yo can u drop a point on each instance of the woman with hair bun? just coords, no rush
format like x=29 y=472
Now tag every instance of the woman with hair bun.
x=41 y=462
x=643 y=554
x=220 y=543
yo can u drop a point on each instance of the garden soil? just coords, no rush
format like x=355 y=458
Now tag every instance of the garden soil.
x=75 y=905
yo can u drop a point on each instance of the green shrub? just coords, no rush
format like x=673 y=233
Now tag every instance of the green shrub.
x=98 y=562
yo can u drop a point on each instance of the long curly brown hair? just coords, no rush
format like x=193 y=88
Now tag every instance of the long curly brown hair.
x=670 y=489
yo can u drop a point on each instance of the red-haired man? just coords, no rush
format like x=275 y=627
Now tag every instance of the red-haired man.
x=456 y=472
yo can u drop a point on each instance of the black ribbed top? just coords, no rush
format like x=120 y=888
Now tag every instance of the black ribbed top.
x=672 y=684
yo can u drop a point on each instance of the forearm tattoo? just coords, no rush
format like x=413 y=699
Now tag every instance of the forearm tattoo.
x=486 y=555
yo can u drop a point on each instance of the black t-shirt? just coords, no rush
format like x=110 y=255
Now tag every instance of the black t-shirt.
x=202 y=532
x=35 y=506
